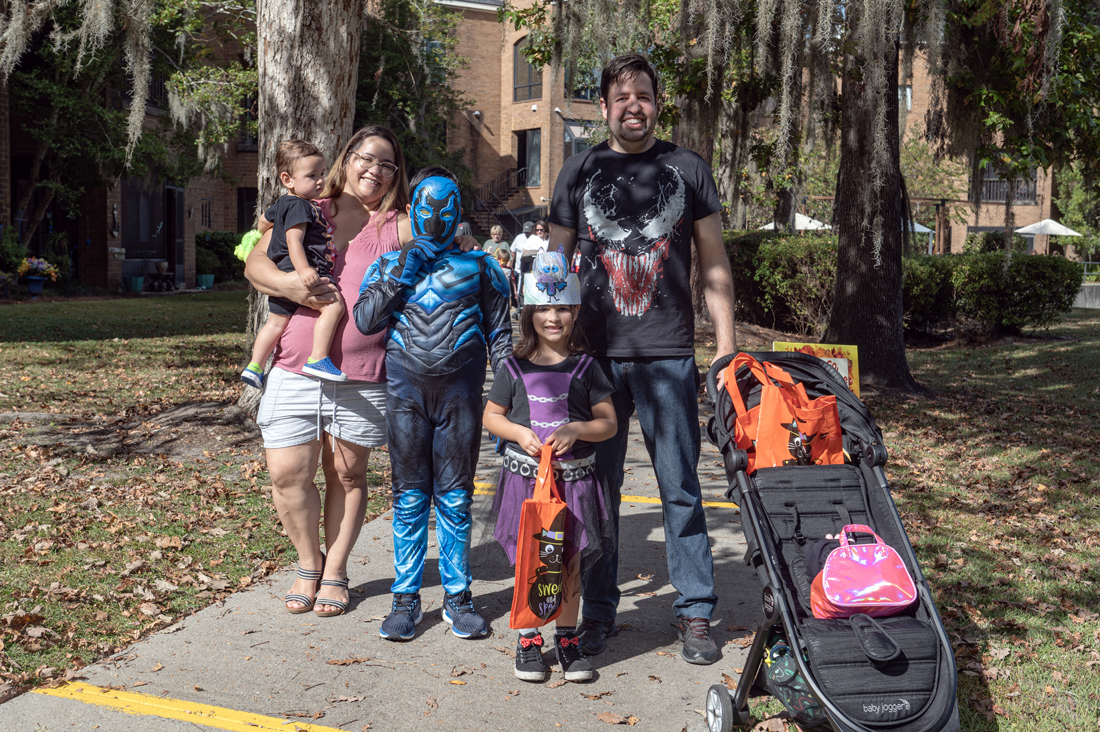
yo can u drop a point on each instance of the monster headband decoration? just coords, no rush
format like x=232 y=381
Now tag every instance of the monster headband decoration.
x=549 y=282
x=545 y=596
x=436 y=211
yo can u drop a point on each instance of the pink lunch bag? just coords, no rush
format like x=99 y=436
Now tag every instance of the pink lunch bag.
x=862 y=578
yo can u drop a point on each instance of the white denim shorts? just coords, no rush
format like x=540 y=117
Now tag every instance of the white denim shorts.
x=295 y=409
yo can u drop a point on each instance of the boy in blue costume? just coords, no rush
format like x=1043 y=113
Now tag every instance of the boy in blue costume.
x=443 y=309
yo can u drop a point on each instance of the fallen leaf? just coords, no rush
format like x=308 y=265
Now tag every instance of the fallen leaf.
x=655 y=678
x=461 y=671
x=611 y=718
x=556 y=684
x=158 y=667
x=347 y=661
x=338 y=699
x=600 y=695
x=432 y=703
x=143 y=683
x=457 y=683
x=771 y=724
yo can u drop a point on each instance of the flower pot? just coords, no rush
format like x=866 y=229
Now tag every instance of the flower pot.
x=134 y=284
x=205 y=282
x=34 y=285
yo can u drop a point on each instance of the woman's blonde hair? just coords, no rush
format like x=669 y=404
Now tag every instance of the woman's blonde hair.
x=396 y=198
x=497 y=229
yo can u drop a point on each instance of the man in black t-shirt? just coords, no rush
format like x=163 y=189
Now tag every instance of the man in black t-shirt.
x=631 y=207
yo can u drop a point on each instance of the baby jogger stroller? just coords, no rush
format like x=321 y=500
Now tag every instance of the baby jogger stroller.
x=857 y=674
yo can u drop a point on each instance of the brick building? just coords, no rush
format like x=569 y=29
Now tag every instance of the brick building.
x=1033 y=196
x=520 y=126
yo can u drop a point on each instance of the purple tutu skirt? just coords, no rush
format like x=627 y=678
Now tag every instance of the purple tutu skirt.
x=588 y=528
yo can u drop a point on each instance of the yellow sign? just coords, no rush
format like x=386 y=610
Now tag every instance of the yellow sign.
x=844 y=359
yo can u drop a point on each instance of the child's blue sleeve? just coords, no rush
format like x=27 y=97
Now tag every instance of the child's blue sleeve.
x=379 y=296
x=496 y=322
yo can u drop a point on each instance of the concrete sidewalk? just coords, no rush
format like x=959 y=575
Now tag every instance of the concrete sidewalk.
x=249 y=657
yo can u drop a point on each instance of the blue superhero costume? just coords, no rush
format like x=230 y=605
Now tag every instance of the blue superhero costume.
x=443 y=309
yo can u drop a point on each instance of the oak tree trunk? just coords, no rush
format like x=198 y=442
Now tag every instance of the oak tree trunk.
x=308 y=63
x=867 y=307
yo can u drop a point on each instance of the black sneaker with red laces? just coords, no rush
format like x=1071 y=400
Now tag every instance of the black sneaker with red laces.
x=699 y=648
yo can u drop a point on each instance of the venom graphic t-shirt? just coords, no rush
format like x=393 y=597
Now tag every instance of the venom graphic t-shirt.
x=634 y=216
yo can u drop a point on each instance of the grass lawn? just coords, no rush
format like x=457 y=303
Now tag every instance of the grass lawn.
x=133 y=491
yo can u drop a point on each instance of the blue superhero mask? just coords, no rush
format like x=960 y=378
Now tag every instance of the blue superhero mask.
x=436 y=210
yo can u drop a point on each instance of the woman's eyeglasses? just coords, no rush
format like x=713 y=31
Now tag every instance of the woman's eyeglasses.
x=539 y=229
x=366 y=162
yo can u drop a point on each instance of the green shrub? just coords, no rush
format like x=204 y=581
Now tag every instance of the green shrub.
x=992 y=241
x=1006 y=293
x=787 y=278
x=206 y=262
x=11 y=251
x=220 y=244
x=927 y=293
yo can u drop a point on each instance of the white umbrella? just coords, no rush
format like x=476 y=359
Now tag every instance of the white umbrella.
x=801 y=223
x=1048 y=226
x=921 y=229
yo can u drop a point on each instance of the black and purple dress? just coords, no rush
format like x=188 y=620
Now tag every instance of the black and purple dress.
x=544 y=398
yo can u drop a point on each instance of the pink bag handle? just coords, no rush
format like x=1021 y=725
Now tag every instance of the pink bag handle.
x=858 y=529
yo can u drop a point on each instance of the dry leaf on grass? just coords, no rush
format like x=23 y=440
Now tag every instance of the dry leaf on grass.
x=771 y=724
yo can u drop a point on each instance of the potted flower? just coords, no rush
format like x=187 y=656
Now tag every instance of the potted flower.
x=35 y=271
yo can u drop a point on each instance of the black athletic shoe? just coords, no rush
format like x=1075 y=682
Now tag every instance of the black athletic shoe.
x=699 y=648
x=400 y=624
x=458 y=610
x=594 y=635
x=529 y=663
x=573 y=663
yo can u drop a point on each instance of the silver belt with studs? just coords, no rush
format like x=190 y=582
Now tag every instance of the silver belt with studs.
x=526 y=466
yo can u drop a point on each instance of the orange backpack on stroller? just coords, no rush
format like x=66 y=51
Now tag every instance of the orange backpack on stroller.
x=786 y=427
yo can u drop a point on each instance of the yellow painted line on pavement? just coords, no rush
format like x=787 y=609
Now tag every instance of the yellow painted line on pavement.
x=488 y=489
x=155 y=706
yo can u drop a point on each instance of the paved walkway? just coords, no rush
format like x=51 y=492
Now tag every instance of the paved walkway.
x=247 y=665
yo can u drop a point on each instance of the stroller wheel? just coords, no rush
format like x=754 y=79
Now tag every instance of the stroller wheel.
x=719 y=709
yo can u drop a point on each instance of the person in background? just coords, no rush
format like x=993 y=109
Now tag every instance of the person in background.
x=496 y=240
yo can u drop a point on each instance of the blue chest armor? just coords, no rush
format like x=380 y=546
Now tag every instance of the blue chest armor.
x=439 y=324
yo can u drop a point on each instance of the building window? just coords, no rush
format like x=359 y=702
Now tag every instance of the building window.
x=207 y=214
x=529 y=155
x=248 y=142
x=576 y=138
x=905 y=97
x=586 y=88
x=527 y=80
x=995 y=190
x=246 y=209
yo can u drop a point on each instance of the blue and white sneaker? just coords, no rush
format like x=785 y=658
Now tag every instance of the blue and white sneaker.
x=325 y=369
x=400 y=624
x=458 y=610
x=253 y=378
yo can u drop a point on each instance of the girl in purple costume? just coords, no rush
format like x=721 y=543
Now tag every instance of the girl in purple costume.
x=550 y=392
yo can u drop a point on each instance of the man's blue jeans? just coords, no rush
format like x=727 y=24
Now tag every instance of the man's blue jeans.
x=665 y=393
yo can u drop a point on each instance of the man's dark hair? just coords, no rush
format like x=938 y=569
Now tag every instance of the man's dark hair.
x=624 y=67
x=432 y=171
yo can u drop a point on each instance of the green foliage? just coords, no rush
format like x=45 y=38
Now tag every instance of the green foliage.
x=11 y=251
x=407 y=63
x=927 y=294
x=985 y=242
x=787 y=279
x=206 y=262
x=1005 y=293
x=214 y=255
x=1080 y=207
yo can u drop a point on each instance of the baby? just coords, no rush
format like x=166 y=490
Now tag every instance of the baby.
x=301 y=242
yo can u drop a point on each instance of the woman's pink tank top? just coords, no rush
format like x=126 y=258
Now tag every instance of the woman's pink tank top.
x=361 y=357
